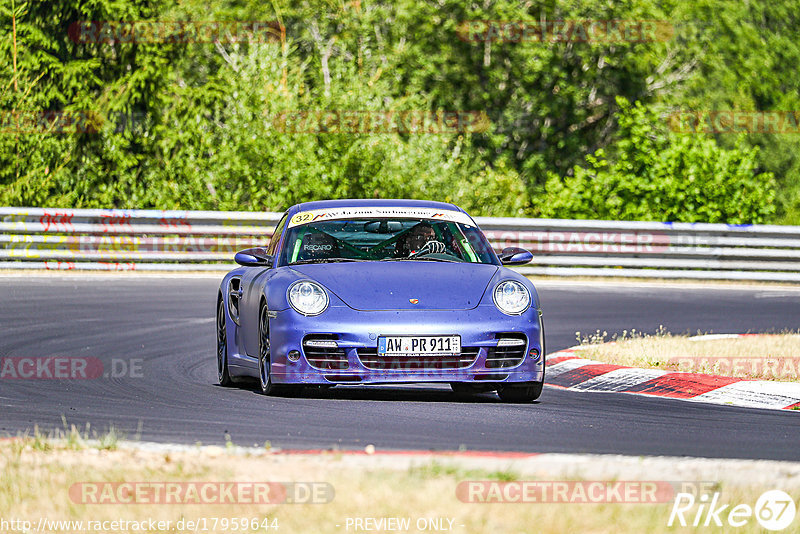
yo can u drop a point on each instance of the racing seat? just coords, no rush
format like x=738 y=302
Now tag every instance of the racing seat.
x=316 y=246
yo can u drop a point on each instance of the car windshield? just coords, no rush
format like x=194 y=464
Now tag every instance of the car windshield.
x=385 y=239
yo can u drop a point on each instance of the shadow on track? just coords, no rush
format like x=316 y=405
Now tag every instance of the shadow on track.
x=386 y=393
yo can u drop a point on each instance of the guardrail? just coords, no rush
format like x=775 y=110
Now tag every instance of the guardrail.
x=57 y=239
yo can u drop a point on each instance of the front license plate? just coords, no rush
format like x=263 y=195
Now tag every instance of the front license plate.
x=419 y=345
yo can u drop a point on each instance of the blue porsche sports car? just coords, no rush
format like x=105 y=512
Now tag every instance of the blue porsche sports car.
x=380 y=291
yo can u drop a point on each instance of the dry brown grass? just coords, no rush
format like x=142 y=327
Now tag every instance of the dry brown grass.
x=37 y=475
x=761 y=357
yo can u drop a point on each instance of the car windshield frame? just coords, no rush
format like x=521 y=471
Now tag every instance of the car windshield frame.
x=385 y=240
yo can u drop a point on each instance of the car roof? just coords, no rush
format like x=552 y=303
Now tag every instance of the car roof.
x=366 y=202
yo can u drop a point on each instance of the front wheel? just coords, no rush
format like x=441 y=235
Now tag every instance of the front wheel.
x=223 y=375
x=265 y=359
x=525 y=392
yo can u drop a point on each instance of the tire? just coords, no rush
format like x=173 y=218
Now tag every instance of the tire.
x=265 y=360
x=527 y=392
x=223 y=375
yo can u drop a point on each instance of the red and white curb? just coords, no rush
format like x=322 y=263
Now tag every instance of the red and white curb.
x=566 y=370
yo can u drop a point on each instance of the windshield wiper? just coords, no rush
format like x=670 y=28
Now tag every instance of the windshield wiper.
x=326 y=260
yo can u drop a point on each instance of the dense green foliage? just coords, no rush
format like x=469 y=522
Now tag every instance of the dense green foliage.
x=658 y=175
x=193 y=125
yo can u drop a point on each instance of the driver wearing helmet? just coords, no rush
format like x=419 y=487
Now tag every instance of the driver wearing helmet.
x=421 y=239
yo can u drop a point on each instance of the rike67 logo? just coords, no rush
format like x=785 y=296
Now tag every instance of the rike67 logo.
x=774 y=510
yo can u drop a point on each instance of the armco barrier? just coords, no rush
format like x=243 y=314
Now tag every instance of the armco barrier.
x=142 y=240
x=128 y=239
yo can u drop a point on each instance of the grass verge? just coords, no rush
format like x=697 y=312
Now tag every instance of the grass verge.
x=37 y=480
x=758 y=356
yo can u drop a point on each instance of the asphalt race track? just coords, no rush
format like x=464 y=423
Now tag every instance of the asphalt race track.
x=166 y=325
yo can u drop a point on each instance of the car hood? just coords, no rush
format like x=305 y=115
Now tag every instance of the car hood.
x=391 y=285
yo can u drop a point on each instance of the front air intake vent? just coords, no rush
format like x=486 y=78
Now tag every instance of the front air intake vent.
x=323 y=352
x=509 y=352
x=370 y=359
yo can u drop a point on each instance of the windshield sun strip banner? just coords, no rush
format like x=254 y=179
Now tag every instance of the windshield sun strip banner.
x=307 y=217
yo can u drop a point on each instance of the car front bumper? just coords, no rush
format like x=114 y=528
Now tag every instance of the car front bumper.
x=356 y=333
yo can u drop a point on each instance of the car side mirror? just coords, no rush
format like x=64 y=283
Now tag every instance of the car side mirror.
x=515 y=256
x=253 y=257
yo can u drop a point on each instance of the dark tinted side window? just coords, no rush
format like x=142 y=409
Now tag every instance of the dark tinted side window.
x=276 y=237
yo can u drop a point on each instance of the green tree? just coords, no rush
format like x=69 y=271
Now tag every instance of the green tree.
x=48 y=72
x=652 y=174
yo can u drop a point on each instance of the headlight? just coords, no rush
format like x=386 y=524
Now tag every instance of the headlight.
x=308 y=298
x=511 y=297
